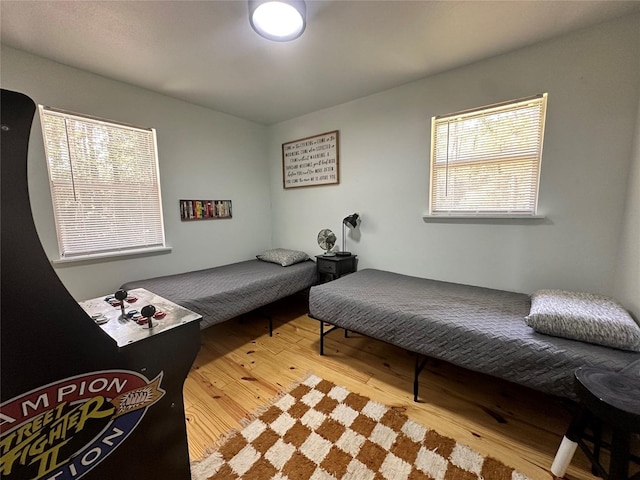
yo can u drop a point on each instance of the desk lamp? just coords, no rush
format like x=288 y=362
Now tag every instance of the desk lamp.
x=352 y=222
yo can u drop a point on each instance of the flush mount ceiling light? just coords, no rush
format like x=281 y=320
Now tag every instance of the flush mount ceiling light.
x=278 y=20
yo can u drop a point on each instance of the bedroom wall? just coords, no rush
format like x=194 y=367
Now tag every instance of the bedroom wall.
x=593 y=80
x=628 y=271
x=202 y=154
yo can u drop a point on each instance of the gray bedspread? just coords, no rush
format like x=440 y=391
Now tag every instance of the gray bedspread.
x=477 y=328
x=221 y=293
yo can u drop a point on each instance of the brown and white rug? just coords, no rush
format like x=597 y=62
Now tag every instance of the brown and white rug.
x=321 y=431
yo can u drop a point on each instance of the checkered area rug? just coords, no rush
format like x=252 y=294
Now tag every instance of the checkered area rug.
x=321 y=431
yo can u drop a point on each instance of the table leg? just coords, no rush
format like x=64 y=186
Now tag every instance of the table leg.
x=569 y=443
x=619 y=464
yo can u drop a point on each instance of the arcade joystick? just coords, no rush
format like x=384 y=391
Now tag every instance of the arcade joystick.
x=148 y=313
x=121 y=296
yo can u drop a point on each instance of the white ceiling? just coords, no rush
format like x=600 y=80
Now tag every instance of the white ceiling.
x=206 y=53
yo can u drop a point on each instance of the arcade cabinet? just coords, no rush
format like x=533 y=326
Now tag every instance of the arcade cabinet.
x=80 y=400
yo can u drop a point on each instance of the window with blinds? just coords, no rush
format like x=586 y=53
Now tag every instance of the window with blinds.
x=105 y=185
x=486 y=161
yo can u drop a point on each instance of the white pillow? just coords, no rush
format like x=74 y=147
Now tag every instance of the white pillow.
x=283 y=257
x=583 y=316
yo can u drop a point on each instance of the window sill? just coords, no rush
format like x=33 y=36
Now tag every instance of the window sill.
x=498 y=219
x=102 y=257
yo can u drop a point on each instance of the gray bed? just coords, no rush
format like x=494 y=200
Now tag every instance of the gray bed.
x=477 y=328
x=221 y=293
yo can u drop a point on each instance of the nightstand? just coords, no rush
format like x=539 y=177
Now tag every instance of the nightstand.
x=330 y=268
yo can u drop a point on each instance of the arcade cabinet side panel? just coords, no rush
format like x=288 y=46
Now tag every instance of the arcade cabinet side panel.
x=67 y=391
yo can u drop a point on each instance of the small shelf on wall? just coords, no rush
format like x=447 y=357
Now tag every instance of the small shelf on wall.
x=205 y=209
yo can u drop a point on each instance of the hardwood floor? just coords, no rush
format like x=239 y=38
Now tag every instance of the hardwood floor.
x=241 y=368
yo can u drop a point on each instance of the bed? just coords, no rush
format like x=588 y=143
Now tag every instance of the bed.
x=222 y=293
x=477 y=328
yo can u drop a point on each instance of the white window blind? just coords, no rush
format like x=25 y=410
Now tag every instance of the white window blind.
x=104 y=182
x=486 y=161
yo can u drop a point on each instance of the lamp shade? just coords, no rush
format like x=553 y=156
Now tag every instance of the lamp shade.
x=278 y=20
x=351 y=220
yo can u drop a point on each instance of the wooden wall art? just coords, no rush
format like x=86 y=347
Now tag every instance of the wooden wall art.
x=205 y=209
x=311 y=161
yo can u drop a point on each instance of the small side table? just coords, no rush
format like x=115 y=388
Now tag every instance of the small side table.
x=609 y=398
x=332 y=267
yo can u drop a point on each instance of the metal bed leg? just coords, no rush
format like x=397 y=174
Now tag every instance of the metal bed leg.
x=323 y=334
x=419 y=367
x=260 y=312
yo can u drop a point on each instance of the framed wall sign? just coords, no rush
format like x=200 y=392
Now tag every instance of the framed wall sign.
x=311 y=161
x=205 y=209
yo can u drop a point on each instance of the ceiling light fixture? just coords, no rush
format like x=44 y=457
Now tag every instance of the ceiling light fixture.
x=278 y=20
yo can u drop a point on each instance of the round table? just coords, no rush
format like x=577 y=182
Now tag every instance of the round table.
x=605 y=398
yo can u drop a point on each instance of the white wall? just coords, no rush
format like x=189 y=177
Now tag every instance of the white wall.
x=593 y=80
x=203 y=155
x=628 y=271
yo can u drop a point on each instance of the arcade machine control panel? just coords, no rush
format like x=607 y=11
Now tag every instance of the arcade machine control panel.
x=138 y=314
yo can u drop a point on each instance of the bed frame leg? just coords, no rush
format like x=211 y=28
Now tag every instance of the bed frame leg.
x=323 y=333
x=262 y=313
x=419 y=367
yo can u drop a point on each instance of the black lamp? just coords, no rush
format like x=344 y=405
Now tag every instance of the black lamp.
x=352 y=222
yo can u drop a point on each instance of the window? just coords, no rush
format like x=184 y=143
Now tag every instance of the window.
x=486 y=161
x=105 y=185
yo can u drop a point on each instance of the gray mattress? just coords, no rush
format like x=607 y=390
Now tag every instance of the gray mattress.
x=477 y=328
x=221 y=293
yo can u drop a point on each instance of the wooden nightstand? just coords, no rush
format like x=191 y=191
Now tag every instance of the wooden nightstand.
x=330 y=268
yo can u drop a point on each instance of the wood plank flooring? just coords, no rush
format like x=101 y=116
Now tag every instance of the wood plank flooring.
x=241 y=368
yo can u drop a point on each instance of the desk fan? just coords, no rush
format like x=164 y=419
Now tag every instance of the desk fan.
x=327 y=239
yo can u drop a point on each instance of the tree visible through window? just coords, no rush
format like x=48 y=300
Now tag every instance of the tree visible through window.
x=104 y=182
x=486 y=161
